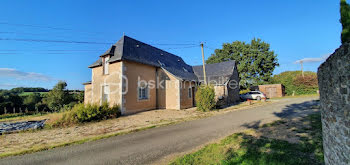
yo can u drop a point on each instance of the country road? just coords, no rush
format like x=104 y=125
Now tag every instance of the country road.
x=158 y=145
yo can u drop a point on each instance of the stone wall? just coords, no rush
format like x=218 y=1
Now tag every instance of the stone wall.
x=334 y=84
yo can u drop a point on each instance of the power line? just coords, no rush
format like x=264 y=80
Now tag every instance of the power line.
x=74 y=42
x=209 y=47
x=12 y=50
x=47 y=27
x=57 y=41
x=183 y=47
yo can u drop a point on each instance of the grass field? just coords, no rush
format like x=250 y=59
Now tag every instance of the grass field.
x=29 y=93
x=302 y=144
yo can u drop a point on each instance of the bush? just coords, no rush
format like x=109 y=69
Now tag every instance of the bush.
x=205 y=98
x=293 y=81
x=81 y=113
x=244 y=91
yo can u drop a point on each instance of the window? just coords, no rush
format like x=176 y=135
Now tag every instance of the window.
x=143 y=91
x=105 y=93
x=106 y=65
x=189 y=92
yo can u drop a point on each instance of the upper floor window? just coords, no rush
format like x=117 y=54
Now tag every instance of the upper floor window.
x=105 y=65
x=143 y=91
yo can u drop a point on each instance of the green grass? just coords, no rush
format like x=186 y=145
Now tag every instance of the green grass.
x=243 y=148
x=29 y=93
x=19 y=116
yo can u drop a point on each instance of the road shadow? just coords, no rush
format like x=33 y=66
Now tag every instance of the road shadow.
x=300 y=109
x=299 y=131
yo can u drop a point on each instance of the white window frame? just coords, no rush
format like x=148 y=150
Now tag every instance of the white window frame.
x=105 y=93
x=106 y=65
x=190 y=92
x=142 y=92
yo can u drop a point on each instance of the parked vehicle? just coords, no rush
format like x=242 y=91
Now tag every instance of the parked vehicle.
x=253 y=95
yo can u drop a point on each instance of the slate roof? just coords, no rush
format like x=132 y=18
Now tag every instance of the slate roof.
x=133 y=50
x=218 y=72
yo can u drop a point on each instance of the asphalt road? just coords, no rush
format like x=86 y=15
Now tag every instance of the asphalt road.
x=157 y=144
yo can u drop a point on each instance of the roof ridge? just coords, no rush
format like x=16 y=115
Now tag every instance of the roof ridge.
x=154 y=47
x=215 y=63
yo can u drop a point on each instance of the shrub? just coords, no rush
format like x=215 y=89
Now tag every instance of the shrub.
x=81 y=113
x=293 y=81
x=244 y=91
x=205 y=98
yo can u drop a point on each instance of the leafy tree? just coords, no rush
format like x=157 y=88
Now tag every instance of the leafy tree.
x=2 y=99
x=17 y=90
x=345 y=21
x=15 y=100
x=57 y=97
x=31 y=100
x=78 y=96
x=27 y=89
x=255 y=61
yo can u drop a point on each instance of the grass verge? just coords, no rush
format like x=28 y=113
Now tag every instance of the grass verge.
x=43 y=148
x=248 y=149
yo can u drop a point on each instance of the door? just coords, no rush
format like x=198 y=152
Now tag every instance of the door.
x=193 y=97
x=271 y=92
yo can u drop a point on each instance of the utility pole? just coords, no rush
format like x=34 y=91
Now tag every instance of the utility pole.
x=302 y=69
x=204 y=74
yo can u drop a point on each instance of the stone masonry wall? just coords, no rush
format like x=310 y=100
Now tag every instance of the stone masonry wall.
x=334 y=84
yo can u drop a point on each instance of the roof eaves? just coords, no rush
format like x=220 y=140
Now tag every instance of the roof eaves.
x=171 y=74
x=87 y=83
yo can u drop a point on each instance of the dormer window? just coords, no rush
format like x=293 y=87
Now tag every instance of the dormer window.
x=105 y=65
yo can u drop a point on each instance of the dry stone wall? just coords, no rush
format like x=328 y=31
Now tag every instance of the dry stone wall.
x=334 y=84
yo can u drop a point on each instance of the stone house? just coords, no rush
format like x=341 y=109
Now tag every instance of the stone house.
x=140 y=77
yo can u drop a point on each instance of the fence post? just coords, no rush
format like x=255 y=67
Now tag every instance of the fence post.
x=36 y=110
x=20 y=110
x=14 y=110
x=26 y=111
x=5 y=110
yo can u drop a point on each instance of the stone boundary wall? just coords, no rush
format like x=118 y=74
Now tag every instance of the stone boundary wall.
x=334 y=85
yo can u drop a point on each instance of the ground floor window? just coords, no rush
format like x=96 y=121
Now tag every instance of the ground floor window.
x=143 y=91
x=105 y=93
x=189 y=92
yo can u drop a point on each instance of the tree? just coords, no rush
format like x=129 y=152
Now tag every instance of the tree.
x=255 y=61
x=57 y=97
x=78 y=96
x=31 y=100
x=15 y=100
x=345 y=21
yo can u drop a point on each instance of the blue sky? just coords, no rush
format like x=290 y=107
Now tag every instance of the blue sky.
x=295 y=29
